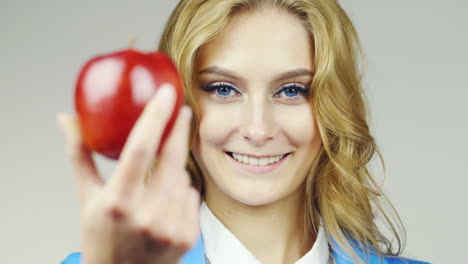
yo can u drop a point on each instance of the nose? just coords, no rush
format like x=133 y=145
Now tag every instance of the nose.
x=257 y=122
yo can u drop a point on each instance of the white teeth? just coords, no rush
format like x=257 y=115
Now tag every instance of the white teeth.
x=253 y=161
x=257 y=162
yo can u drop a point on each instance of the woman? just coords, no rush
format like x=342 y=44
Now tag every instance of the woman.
x=278 y=147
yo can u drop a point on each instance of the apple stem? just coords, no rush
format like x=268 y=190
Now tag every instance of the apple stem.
x=131 y=42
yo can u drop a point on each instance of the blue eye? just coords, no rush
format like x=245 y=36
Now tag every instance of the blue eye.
x=221 y=90
x=292 y=91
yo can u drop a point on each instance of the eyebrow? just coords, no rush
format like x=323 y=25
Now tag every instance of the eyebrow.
x=283 y=76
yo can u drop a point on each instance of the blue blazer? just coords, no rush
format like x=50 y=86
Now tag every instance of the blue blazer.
x=196 y=256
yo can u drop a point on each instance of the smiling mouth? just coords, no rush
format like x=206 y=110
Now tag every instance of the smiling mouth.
x=264 y=161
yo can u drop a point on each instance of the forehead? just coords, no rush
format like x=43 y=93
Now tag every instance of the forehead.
x=266 y=38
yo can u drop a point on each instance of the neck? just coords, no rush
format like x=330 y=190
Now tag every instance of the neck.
x=273 y=233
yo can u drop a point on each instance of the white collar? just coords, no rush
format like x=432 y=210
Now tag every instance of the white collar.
x=222 y=247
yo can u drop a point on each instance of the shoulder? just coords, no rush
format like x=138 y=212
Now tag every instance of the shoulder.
x=73 y=258
x=370 y=258
x=404 y=261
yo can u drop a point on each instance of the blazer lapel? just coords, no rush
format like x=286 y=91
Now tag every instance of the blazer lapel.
x=343 y=258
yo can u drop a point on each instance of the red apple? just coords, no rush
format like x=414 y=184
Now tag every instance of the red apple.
x=111 y=92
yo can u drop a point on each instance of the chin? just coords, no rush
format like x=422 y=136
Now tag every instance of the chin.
x=254 y=191
x=255 y=198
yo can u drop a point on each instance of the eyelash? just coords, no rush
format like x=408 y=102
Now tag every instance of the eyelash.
x=213 y=87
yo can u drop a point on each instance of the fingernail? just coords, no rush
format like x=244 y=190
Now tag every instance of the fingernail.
x=186 y=111
x=166 y=93
x=60 y=118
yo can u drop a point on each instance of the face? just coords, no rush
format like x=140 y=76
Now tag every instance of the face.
x=257 y=136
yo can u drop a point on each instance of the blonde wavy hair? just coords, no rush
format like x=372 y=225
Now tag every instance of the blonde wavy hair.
x=339 y=188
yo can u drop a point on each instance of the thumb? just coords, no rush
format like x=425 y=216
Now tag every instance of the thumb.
x=81 y=158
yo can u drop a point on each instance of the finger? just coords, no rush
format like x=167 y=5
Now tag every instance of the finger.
x=83 y=164
x=163 y=215
x=153 y=217
x=174 y=153
x=186 y=219
x=160 y=213
x=191 y=216
x=140 y=149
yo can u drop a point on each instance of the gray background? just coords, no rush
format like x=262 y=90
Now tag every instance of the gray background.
x=416 y=83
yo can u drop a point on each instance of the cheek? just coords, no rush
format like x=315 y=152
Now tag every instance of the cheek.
x=217 y=123
x=298 y=123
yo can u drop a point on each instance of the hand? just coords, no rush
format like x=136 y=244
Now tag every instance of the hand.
x=144 y=213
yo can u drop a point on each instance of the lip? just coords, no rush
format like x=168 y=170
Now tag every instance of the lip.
x=260 y=169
